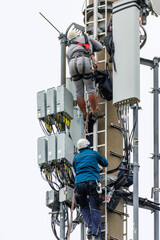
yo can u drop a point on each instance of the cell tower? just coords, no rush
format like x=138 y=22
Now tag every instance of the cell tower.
x=62 y=123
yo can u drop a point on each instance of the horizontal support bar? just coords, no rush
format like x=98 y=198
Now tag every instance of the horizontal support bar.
x=116 y=126
x=147 y=62
x=116 y=154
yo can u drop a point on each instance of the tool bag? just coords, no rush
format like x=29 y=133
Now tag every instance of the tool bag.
x=105 y=83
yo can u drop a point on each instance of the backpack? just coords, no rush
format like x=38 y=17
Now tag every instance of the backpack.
x=109 y=44
x=105 y=83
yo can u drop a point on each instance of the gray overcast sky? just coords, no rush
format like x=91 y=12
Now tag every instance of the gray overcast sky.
x=30 y=62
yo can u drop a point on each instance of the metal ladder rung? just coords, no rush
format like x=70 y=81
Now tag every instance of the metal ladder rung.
x=101 y=6
x=101 y=20
x=101 y=61
x=88 y=9
x=101 y=34
x=91 y=8
x=101 y=145
x=100 y=131
x=89 y=22
x=100 y=103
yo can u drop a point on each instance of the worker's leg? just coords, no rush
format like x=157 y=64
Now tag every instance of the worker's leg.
x=91 y=90
x=93 y=102
x=95 y=211
x=79 y=85
x=82 y=200
x=93 y=99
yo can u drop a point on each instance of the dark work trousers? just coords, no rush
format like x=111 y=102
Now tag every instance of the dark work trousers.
x=88 y=199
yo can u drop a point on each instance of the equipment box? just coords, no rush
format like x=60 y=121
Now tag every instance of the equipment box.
x=51 y=101
x=41 y=104
x=64 y=101
x=65 y=148
x=42 y=151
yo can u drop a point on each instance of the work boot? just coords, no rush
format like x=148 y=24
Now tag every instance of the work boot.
x=82 y=105
x=93 y=102
x=89 y=232
x=96 y=237
x=96 y=115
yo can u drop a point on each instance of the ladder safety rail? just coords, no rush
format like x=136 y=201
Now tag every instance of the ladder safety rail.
x=92 y=24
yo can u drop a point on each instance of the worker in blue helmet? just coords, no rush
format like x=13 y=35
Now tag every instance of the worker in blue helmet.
x=87 y=180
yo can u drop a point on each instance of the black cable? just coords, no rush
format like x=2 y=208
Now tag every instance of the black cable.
x=145 y=35
x=115 y=169
x=59 y=179
x=50 y=182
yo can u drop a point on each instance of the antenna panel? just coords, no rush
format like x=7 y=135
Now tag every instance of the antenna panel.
x=156 y=6
x=126 y=80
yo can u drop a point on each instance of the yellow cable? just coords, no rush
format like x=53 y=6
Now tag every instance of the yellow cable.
x=49 y=128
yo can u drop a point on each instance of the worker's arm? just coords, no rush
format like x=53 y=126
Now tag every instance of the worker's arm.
x=101 y=160
x=73 y=164
x=97 y=46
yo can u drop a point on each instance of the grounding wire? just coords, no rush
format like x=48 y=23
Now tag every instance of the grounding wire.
x=134 y=126
x=145 y=35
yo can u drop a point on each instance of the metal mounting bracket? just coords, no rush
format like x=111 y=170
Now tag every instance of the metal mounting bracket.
x=153 y=190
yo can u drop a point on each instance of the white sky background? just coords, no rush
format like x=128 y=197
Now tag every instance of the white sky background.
x=30 y=62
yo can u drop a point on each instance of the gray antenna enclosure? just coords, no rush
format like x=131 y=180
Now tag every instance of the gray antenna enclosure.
x=126 y=80
x=156 y=6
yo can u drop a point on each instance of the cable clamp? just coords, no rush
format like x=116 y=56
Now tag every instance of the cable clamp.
x=154 y=90
x=136 y=165
x=153 y=190
x=53 y=212
x=154 y=155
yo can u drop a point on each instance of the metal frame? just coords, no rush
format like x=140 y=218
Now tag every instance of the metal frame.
x=154 y=64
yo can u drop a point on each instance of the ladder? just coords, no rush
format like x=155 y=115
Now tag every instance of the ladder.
x=125 y=237
x=96 y=26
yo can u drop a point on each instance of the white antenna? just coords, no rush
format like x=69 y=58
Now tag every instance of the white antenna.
x=155 y=6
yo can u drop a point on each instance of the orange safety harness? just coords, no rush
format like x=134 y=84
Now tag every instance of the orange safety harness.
x=86 y=46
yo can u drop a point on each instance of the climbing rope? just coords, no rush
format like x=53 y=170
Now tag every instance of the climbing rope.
x=86 y=123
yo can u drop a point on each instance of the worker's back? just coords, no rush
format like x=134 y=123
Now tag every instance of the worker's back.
x=86 y=166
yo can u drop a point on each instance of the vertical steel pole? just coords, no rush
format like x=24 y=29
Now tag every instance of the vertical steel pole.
x=82 y=231
x=63 y=58
x=62 y=222
x=156 y=145
x=135 y=176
